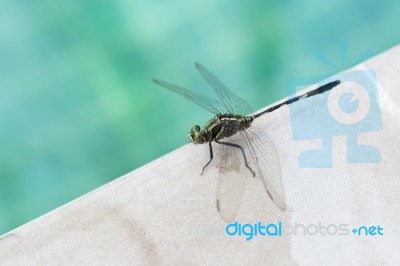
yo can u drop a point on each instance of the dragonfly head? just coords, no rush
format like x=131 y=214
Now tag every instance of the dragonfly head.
x=196 y=135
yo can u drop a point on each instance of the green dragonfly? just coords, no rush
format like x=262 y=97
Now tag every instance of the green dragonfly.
x=232 y=129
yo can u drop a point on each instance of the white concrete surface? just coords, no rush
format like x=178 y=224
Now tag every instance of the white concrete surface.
x=164 y=212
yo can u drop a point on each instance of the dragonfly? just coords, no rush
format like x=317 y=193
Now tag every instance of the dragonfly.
x=240 y=143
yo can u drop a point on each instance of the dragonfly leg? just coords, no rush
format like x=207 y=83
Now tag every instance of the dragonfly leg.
x=239 y=147
x=211 y=157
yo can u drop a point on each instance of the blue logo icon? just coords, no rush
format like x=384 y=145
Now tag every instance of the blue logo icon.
x=348 y=110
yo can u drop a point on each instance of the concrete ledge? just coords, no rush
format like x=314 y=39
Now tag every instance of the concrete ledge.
x=164 y=212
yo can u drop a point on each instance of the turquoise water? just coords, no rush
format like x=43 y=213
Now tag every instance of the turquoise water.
x=78 y=109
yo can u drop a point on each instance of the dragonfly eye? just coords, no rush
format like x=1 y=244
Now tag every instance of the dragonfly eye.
x=195 y=128
x=196 y=136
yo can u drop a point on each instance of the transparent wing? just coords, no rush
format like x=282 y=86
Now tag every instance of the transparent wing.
x=233 y=176
x=266 y=161
x=233 y=103
x=207 y=103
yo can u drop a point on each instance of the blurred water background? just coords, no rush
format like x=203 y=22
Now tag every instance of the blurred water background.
x=77 y=105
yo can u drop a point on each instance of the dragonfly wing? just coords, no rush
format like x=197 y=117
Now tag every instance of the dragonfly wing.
x=233 y=103
x=232 y=178
x=207 y=103
x=266 y=160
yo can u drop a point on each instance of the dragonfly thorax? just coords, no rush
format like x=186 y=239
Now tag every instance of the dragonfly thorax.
x=219 y=127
